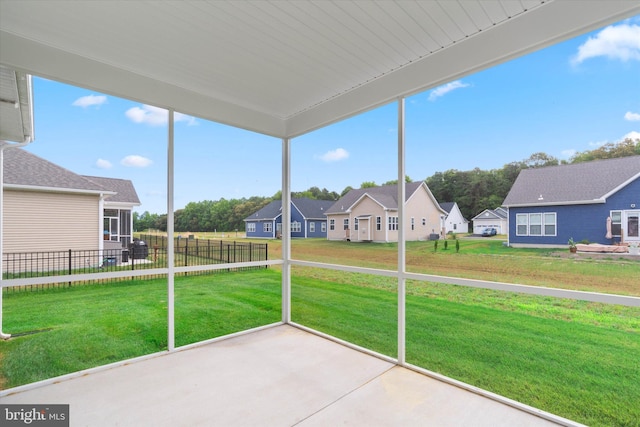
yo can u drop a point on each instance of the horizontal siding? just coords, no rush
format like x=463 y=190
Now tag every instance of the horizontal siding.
x=38 y=221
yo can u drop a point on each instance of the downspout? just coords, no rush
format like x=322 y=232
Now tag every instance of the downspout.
x=4 y=145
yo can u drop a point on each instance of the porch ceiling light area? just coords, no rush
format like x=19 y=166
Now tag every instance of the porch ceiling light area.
x=281 y=68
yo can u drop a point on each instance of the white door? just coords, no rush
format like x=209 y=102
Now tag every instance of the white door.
x=630 y=230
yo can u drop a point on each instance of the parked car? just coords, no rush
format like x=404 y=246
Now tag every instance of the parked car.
x=489 y=232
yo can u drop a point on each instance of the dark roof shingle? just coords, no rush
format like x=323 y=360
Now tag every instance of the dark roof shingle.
x=386 y=195
x=575 y=183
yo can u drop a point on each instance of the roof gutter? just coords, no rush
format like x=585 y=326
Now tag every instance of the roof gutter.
x=25 y=91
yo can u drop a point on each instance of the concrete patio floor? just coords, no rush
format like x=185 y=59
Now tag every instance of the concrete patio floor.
x=278 y=376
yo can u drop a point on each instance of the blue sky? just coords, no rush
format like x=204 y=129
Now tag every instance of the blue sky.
x=574 y=96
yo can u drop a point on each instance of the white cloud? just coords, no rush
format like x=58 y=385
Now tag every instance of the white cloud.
x=614 y=42
x=155 y=116
x=632 y=117
x=103 y=164
x=136 y=161
x=89 y=100
x=633 y=135
x=335 y=155
x=443 y=90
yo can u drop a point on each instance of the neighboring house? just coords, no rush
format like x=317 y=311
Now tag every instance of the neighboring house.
x=307 y=219
x=371 y=214
x=491 y=218
x=454 y=222
x=49 y=208
x=550 y=205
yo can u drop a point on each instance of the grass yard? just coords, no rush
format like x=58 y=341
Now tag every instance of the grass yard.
x=87 y=326
x=576 y=359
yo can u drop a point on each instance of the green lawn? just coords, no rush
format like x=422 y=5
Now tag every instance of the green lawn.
x=574 y=359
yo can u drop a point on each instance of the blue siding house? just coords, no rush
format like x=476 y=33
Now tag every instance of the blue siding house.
x=550 y=205
x=307 y=219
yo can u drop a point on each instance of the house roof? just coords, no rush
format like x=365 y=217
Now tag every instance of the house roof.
x=26 y=170
x=313 y=209
x=386 y=196
x=578 y=183
x=498 y=213
x=447 y=206
x=281 y=68
x=125 y=191
x=309 y=208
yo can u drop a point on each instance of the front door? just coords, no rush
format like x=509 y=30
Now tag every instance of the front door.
x=631 y=230
x=364 y=229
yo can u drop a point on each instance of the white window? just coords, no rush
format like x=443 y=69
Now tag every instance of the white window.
x=296 y=227
x=312 y=227
x=266 y=227
x=413 y=223
x=536 y=224
x=356 y=223
x=345 y=223
x=332 y=224
x=323 y=227
x=251 y=227
x=522 y=224
x=393 y=223
x=616 y=223
x=378 y=223
x=424 y=221
x=549 y=224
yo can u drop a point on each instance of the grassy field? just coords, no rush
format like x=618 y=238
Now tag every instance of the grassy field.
x=573 y=358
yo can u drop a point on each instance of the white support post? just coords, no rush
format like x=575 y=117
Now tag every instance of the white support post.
x=401 y=237
x=170 y=241
x=3 y=146
x=286 y=230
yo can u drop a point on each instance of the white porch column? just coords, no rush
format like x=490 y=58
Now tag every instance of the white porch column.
x=3 y=146
x=286 y=230
x=170 y=242
x=401 y=237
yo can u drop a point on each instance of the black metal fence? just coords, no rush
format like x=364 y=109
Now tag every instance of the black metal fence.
x=146 y=253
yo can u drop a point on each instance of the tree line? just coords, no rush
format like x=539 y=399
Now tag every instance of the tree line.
x=473 y=191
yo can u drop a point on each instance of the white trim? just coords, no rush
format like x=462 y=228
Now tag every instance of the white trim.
x=57 y=189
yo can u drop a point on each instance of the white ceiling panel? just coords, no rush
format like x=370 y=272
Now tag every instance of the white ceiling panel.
x=281 y=67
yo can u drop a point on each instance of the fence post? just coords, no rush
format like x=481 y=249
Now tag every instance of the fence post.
x=250 y=253
x=70 y=266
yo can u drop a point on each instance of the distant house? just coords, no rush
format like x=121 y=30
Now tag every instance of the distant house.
x=454 y=221
x=491 y=218
x=307 y=219
x=549 y=205
x=49 y=208
x=371 y=214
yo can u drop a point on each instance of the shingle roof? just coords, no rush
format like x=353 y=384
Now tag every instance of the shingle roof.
x=498 y=213
x=23 y=168
x=447 y=206
x=271 y=211
x=572 y=184
x=386 y=195
x=125 y=191
x=26 y=169
x=309 y=208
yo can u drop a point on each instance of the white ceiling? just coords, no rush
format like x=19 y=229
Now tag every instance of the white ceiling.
x=281 y=68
